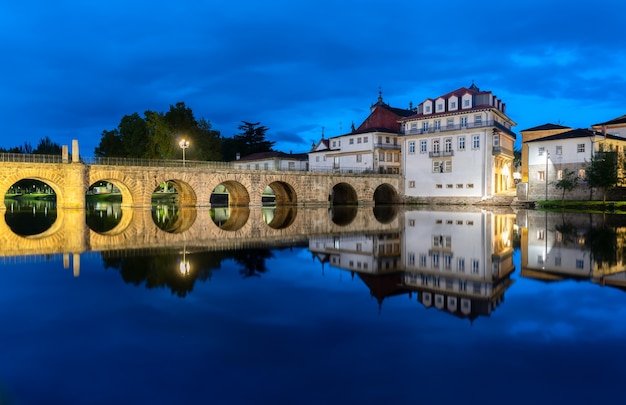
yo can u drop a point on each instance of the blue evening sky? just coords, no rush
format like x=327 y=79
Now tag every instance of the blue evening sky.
x=72 y=69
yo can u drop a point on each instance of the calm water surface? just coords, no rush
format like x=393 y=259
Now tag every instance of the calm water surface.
x=335 y=307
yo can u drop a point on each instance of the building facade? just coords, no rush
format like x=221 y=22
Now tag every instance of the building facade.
x=458 y=145
x=373 y=147
x=551 y=156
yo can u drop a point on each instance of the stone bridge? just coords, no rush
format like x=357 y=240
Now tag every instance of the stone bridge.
x=194 y=181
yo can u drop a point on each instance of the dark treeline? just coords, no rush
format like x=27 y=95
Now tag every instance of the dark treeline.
x=157 y=135
x=45 y=147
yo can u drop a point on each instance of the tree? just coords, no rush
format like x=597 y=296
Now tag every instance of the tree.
x=47 y=147
x=162 y=142
x=601 y=171
x=250 y=140
x=110 y=145
x=567 y=183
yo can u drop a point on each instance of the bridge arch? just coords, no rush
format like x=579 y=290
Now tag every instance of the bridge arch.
x=186 y=193
x=55 y=182
x=284 y=193
x=386 y=194
x=343 y=194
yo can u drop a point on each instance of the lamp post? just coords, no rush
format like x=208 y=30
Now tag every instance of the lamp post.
x=184 y=144
x=547 y=158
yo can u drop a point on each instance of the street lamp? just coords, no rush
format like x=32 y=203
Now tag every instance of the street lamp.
x=184 y=144
x=547 y=158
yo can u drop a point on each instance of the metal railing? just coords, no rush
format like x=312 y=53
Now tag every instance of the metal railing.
x=30 y=158
x=117 y=161
x=457 y=127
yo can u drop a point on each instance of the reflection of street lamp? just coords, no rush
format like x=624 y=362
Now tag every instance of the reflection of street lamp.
x=184 y=264
x=184 y=144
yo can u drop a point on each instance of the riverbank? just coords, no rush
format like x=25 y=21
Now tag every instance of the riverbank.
x=613 y=207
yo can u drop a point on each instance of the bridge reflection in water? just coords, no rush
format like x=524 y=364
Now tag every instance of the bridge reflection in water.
x=459 y=262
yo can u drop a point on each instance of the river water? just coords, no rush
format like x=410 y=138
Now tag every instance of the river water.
x=395 y=305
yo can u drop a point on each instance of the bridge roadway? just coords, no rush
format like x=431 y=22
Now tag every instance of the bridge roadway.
x=195 y=230
x=195 y=181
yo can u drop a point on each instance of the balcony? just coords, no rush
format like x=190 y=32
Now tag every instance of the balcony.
x=436 y=154
x=499 y=150
x=459 y=127
x=388 y=146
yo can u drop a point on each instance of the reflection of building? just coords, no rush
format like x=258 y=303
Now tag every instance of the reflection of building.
x=561 y=246
x=459 y=262
x=374 y=253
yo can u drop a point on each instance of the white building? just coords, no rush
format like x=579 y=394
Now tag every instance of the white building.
x=550 y=156
x=458 y=145
x=273 y=161
x=373 y=147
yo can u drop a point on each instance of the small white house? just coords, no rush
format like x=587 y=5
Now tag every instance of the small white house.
x=550 y=156
x=273 y=161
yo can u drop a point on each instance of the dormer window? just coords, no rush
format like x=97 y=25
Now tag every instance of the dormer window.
x=440 y=107
x=427 y=109
x=453 y=105
x=466 y=103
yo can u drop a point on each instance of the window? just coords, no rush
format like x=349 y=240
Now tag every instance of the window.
x=413 y=127
x=351 y=142
x=496 y=140
x=436 y=146
x=437 y=125
x=412 y=147
x=334 y=144
x=386 y=139
x=427 y=108
x=365 y=139
x=447 y=261
x=459 y=186
x=359 y=158
x=559 y=150
x=412 y=221
x=411 y=259
x=291 y=165
x=448 y=145
x=423 y=146
x=540 y=151
x=425 y=127
x=466 y=103
x=580 y=148
x=389 y=157
x=440 y=107
x=381 y=156
x=442 y=166
x=476 y=142
x=478 y=120
x=453 y=104
x=557 y=261
x=470 y=185
x=450 y=122
x=461 y=143
x=266 y=166
x=475 y=266
x=412 y=184
x=423 y=260
x=463 y=121
x=580 y=264
x=559 y=174
x=541 y=175
x=581 y=173
x=380 y=139
x=460 y=265
x=358 y=140
x=541 y=234
x=317 y=158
